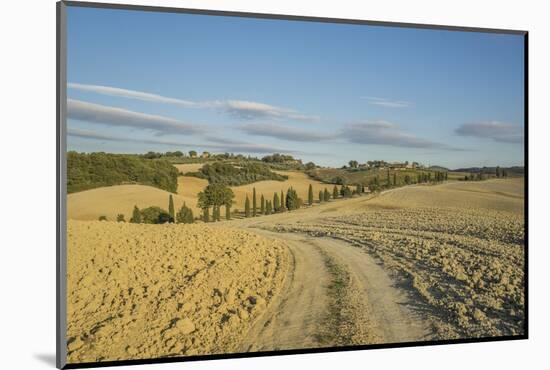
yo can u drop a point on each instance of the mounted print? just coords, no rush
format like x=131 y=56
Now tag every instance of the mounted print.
x=234 y=184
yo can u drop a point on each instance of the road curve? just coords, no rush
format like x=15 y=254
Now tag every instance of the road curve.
x=297 y=318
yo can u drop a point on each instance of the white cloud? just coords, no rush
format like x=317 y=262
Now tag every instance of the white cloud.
x=237 y=108
x=386 y=102
x=113 y=116
x=387 y=133
x=223 y=145
x=282 y=132
x=495 y=130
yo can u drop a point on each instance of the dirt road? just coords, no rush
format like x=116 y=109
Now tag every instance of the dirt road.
x=364 y=308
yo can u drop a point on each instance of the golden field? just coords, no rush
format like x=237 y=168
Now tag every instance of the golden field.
x=120 y=199
x=148 y=291
x=458 y=247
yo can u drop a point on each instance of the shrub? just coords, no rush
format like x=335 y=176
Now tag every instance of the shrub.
x=154 y=215
x=102 y=218
x=185 y=215
x=136 y=216
x=120 y=218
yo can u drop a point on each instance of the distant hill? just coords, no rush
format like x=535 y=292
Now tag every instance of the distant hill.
x=514 y=170
x=95 y=170
x=439 y=168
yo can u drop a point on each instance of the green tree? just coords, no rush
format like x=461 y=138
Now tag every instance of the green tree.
x=310 y=195
x=498 y=172
x=215 y=196
x=359 y=189
x=321 y=196
x=276 y=204
x=394 y=179
x=254 y=207
x=206 y=214
x=292 y=201
x=171 y=210
x=102 y=218
x=262 y=205
x=120 y=218
x=228 y=212
x=185 y=215
x=310 y=166
x=388 y=182
x=154 y=215
x=335 y=192
x=247 y=207
x=282 y=205
x=326 y=195
x=136 y=216
x=353 y=164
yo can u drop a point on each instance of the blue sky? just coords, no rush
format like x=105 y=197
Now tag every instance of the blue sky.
x=140 y=81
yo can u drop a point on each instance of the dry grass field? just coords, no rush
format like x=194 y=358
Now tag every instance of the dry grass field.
x=112 y=200
x=457 y=247
x=120 y=199
x=148 y=291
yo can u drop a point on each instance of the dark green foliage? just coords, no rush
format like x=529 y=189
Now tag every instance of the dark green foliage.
x=321 y=196
x=268 y=208
x=192 y=153
x=292 y=201
x=228 y=212
x=215 y=195
x=89 y=171
x=102 y=218
x=154 y=215
x=339 y=180
x=185 y=215
x=310 y=166
x=326 y=195
x=120 y=218
x=345 y=191
x=310 y=195
x=394 y=179
x=353 y=164
x=254 y=205
x=358 y=188
x=247 y=207
x=262 y=205
x=227 y=174
x=278 y=158
x=282 y=205
x=335 y=192
x=206 y=214
x=408 y=180
x=136 y=216
x=276 y=203
x=171 y=210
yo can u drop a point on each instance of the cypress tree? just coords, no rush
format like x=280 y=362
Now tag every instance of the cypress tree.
x=247 y=207
x=394 y=179
x=136 y=216
x=268 y=208
x=276 y=205
x=262 y=205
x=335 y=192
x=282 y=202
x=228 y=212
x=254 y=202
x=327 y=195
x=206 y=214
x=321 y=196
x=310 y=195
x=388 y=178
x=171 y=210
